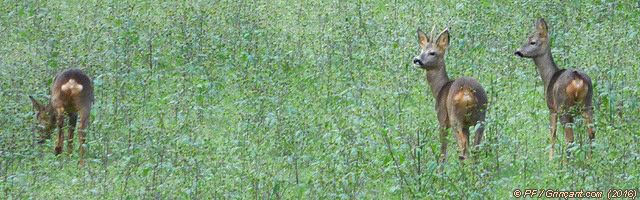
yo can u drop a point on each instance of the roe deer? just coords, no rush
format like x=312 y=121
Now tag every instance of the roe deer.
x=460 y=103
x=71 y=92
x=564 y=88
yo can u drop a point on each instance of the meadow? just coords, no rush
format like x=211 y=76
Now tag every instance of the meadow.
x=291 y=99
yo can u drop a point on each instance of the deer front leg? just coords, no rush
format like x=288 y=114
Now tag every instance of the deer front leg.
x=73 y=118
x=552 y=139
x=84 y=123
x=443 y=148
x=60 y=140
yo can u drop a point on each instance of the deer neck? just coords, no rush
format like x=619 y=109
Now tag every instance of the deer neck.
x=437 y=79
x=546 y=66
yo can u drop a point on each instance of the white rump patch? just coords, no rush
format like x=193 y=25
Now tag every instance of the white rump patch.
x=467 y=97
x=71 y=86
x=578 y=83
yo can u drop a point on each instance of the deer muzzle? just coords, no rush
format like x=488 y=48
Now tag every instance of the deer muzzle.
x=518 y=53
x=417 y=61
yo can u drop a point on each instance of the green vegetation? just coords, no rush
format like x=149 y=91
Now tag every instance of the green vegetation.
x=308 y=99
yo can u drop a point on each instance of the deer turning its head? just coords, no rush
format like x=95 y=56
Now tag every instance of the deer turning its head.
x=459 y=103
x=71 y=93
x=566 y=90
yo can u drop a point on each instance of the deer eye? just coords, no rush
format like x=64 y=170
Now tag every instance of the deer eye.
x=532 y=43
x=432 y=53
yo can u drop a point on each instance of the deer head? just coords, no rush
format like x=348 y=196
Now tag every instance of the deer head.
x=431 y=55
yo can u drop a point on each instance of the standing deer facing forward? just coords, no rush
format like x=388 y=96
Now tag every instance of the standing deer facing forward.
x=460 y=103
x=564 y=88
x=71 y=93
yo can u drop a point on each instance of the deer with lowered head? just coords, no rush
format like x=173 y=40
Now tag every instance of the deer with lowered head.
x=459 y=103
x=71 y=94
x=564 y=88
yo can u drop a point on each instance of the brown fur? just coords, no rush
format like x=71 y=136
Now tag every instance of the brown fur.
x=71 y=93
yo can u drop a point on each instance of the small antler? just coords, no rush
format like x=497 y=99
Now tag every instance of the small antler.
x=431 y=34
x=445 y=29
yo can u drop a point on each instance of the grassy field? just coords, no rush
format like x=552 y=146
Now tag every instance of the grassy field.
x=308 y=99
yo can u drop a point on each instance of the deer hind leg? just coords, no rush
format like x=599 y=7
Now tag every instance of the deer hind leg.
x=552 y=139
x=478 y=134
x=73 y=118
x=462 y=135
x=567 y=121
x=588 y=116
x=465 y=150
x=443 y=148
x=60 y=140
x=84 y=124
x=477 y=140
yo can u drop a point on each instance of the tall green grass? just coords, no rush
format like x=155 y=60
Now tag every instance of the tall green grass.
x=308 y=99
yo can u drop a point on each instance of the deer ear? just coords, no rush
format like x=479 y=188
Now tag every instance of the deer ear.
x=36 y=105
x=443 y=39
x=423 y=40
x=541 y=27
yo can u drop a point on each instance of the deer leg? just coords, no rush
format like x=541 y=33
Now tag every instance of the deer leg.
x=443 y=148
x=60 y=140
x=462 y=135
x=566 y=121
x=84 y=123
x=552 y=139
x=465 y=150
x=477 y=139
x=478 y=135
x=588 y=116
x=73 y=118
